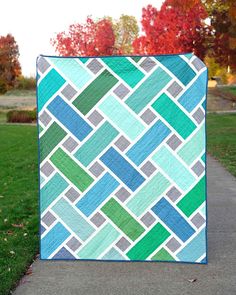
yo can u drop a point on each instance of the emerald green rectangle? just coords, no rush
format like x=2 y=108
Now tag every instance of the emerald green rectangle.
x=149 y=243
x=50 y=140
x=194 y=198
x=94 y=92
x=96 y=144
x=124 y=69
x=71 y=170
x=122 y=219
x=174 y=115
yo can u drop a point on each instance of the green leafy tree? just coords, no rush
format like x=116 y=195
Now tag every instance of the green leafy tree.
x=126 y=31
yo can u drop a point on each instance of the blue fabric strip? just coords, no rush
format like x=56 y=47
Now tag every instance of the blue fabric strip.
x=122 y=169
x=69 y=118
x=148 y=143
x=178 y=67
x=97 y=194
x=56 y=236
x=195 y=249
x=196 y=91
x=173 y=219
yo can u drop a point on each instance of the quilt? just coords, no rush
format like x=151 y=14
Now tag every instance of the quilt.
x=122 y=158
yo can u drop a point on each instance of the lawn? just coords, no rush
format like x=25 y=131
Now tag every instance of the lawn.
x=221 y=135
x=19 y=197
x=18 y=202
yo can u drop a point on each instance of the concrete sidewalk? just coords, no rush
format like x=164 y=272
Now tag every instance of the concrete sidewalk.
x=108 y=278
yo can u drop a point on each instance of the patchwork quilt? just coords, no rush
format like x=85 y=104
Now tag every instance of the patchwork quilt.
x=122 y=158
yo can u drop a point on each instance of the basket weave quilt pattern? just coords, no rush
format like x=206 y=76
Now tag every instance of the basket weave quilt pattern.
x=122 y=157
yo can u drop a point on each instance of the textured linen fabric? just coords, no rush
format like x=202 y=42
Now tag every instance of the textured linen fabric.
x=122 y=157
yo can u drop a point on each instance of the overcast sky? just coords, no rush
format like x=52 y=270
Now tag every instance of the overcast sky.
x=33 y=23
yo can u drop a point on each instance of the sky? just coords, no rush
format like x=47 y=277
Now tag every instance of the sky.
x=34 y=23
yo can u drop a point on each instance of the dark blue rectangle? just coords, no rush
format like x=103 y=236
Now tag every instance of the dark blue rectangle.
x=97 y=194
x=122 y=169
x=173 y=219
x=148 y=142
x=69 y=118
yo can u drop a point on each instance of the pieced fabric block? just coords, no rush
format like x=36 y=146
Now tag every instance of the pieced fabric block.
x=122 y=156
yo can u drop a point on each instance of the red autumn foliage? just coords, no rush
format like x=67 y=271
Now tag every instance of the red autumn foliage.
x=89 y=39
x=173 y=29
x=9 y=64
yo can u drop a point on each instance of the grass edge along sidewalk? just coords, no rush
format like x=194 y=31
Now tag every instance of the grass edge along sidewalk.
x=18 y=203
x=19 y=197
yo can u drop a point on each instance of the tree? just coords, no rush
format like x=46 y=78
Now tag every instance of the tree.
x=174 y=28
x=126 y=31
x=104 y=36
x=9 y=62
x=223 y=19
x=89 y=39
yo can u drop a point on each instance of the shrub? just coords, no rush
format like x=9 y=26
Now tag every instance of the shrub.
x=26 y=83
x=21 y=116
x=3 y=87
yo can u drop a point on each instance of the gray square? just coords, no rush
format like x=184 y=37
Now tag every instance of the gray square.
x=122 y=194
x=198 y=220
x=121 y=91
x=198 y=64
x=73 y=244
x=43 y=64
x=148 y=116
x=70 y=144
x=69 y=92
x=147 y=64
x=199 y=115
x=72 y=194
x=96 y=169
x=173 y=194
x=45 y=118
x=173 y=244
x=95 y=118
x=47 y=169
x=95 y=66
x=174 y=142
x=198 y=168
x=148 y=219
x=148 y=168
x=123 y=244
x=122 y=143
x=174 y=89
x=98 y=219
x=48 y=218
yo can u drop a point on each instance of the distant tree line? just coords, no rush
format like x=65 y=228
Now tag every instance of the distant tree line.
x=206 y=28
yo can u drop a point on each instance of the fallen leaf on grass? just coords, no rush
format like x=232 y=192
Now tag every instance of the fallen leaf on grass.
x=192 y=280
x=29 y=272
x=18 y=225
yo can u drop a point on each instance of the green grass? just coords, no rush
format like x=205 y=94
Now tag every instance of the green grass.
x=19 y=196
x=18 y=202
x=221 y=139
x=3 y=117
